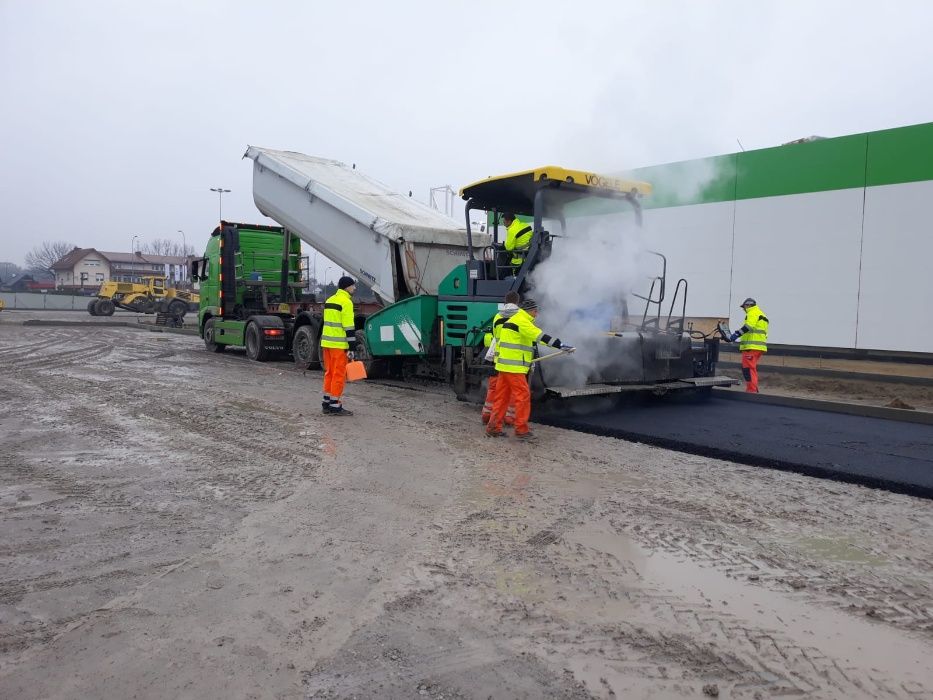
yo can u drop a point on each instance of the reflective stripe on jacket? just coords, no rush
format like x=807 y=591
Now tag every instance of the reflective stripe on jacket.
x=754 y=331
x=518 y=240
x=339 y=330
x=507 y=311
x=516 y=343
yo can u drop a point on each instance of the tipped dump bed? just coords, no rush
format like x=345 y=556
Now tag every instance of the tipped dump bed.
x=395 y=244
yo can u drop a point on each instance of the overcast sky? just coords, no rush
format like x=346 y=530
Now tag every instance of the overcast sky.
x=117 y=117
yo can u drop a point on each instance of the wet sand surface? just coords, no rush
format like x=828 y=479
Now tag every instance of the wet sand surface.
x=180 y=524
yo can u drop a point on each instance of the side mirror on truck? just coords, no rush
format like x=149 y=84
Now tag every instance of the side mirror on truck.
x=199 y=269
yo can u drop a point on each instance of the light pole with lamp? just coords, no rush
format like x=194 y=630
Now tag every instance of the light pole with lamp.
x=220 y=199
x=133 y=250
x=184 y=254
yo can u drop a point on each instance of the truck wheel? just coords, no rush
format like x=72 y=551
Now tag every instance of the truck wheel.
x=104 y=307
x=255 y=348
x=306 y=348
x=91 y=307
x=209 y=343
x=178 y=308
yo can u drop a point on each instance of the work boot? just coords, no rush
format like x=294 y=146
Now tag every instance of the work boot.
x=338 y=410
x=325 y=406
x=494 y=433
x=526 y=437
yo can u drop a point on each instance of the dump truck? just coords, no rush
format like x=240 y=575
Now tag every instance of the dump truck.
x=151 y=296
x=441 y=283
x=250 y=274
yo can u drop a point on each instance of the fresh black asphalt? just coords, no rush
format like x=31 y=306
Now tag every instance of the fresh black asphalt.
x=875 y=452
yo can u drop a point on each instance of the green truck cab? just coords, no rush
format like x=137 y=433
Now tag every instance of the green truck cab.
x=251 y=294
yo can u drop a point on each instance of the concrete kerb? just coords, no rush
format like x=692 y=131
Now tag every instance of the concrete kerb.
x=852 y=409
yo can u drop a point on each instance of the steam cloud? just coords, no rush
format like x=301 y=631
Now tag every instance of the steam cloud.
x=586 y=288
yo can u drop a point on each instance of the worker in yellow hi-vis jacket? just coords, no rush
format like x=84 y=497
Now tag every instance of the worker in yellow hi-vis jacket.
x=753 y=342
x=338 y=341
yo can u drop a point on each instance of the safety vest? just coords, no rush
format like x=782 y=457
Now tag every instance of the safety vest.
x=506 y=312
x=754 y=331
x=339 y=329
x=497 y=321
x=518 y=240
x=516 y=343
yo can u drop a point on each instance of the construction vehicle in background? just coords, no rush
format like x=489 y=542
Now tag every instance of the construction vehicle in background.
x=441 y=284
x=151 y=296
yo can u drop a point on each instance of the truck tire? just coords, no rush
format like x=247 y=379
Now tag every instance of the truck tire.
x=104 y=307
x=306 y=347
x=91 y=307
x=209 y=343
x=255 y=348
x=178 y=307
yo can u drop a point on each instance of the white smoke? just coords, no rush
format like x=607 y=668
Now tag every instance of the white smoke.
x=585 y=287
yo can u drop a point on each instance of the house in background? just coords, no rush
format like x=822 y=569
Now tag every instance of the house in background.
x=82 y=267
x=89 y=267
x=131 y=267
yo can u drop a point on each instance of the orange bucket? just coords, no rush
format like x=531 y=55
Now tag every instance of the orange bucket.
x=356 y=371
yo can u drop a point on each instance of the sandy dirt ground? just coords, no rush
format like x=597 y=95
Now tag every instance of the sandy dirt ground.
x=181 y=524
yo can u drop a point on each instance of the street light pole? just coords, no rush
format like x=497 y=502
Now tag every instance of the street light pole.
x=133 y=244
x=220 y=199
x=184 y=254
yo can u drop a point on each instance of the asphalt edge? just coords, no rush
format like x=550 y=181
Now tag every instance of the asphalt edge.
x=897 y=414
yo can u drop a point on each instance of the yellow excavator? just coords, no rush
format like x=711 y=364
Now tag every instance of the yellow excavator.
x=150 y=296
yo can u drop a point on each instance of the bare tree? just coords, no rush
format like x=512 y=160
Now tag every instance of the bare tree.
x=43 y=256
x=166 y=246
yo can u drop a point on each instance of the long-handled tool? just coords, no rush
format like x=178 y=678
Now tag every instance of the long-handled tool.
x=553 y=354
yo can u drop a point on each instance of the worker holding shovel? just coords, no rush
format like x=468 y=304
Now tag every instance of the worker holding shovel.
x=338 y=341
x=515 y=348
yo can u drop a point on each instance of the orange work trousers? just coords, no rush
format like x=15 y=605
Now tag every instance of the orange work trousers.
x=750 y=369
x=490 y=398
x=335 y=371
x=511 y=388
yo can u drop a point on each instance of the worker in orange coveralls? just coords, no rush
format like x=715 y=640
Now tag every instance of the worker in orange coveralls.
x=515 y=349
x=490 y=341
x=338 y=342
x=753 y=342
